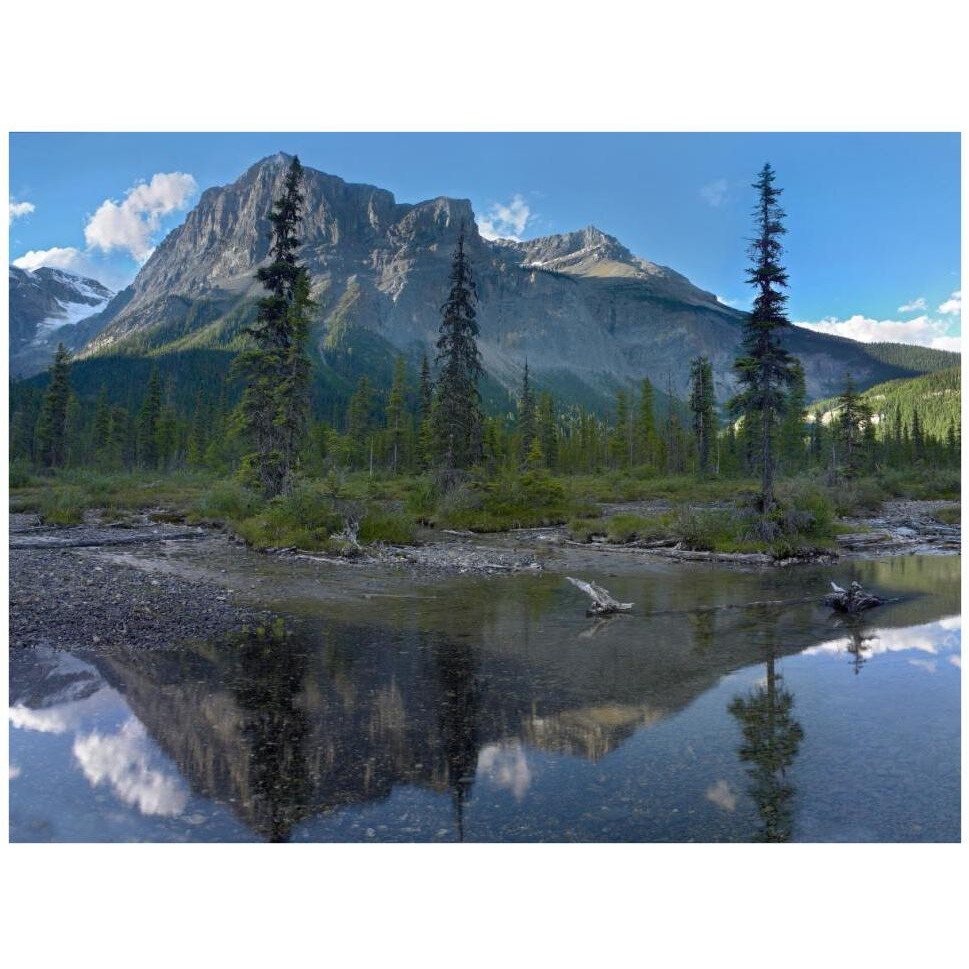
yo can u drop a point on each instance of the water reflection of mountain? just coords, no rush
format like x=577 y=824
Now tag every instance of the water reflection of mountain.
x=283 y=726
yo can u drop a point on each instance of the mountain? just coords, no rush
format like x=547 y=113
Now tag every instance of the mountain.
x=587 y=314
x=937 y=396
x=47 y=307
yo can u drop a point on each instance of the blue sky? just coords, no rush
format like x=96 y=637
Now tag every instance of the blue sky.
x=873 y=219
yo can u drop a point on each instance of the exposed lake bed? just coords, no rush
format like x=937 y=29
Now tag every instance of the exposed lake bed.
x=389 y=702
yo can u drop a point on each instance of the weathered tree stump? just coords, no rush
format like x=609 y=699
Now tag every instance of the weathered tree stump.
x=852 y=600
x=603 y=604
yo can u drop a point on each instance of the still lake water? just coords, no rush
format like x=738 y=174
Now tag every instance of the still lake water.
x=492 y=710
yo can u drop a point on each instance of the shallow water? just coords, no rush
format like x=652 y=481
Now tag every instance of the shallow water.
x=491 y=709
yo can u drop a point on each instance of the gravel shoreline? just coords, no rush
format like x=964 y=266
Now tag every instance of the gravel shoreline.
x=69 y=598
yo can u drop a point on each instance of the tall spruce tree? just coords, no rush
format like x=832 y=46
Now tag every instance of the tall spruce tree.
x=52 y=423
x=702 y=409
x=395 y=412
x=425 y=400
x=646 y=425
x=527 y=428
x=854 y=416
x=148 y=422
x=765 y=369
x=273 y=411
x=457 y=411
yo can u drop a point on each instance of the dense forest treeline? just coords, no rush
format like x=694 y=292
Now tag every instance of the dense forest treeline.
x=274 y=412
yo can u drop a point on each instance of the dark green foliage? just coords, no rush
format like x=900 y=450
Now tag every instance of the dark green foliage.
x=273 y=411
x=853 y=423
x=52 y=424
x=457 y=413
x=527 y=420
x=149 y=417
x=703 y=410
x=765 y=369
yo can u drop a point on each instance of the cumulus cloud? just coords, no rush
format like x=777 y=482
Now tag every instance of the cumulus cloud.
x=723 y=795
x=19 y=209
x=953 y=305
x=914 y=306
x=123 y=761
x=129 y=225
x=13 y=772
x=506 y=221
x=505 y=766
x=59 y=257
x=922 y=330
x=714 y=193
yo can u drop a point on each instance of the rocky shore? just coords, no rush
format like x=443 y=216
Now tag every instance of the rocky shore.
x=67 y=597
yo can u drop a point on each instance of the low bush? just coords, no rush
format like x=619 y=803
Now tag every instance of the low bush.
x=391 y=527
x=62 y=506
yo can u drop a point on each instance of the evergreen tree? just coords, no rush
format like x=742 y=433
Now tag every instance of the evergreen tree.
x=273 y=411
x=425 y=397
x=792 y=424
x=918 y=437
x=646 y=425
x=526 y=420
x=457 y=414
x=619 y=438
x=102 y=422
x=359 y=414
x=854 y=416
x=547 y=431
x=148 y=418
x=395 y=411
x=702 y=407
x=52 y=424
x=765 y=369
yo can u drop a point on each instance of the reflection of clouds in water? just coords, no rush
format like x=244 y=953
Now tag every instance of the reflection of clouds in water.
x=722 y=794
x=926 y=664
x=123 y=760
x=13 y=772
x=49 y=720
x=506 y=766
x=933 y=638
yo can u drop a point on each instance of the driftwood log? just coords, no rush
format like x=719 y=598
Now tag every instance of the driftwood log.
x=603 y=604
x=852 y=600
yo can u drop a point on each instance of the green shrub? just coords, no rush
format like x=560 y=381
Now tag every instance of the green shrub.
x=393 y=528
x=227 y=501
x=421 y=500
x=62 y=506
x=20 y=476
x=582 y=529
x=625 y=527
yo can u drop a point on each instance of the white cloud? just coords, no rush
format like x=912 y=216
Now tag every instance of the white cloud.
x=123 y=760
x=953 y=305
x=18 y=209
x=505 y=766
x=744 y=303
x=914 y=306
x=506 y=221
x=921 y=330
x=66 y=257
x=714 y=193
x=13 y=772
x=129 y=225
x=723 y=795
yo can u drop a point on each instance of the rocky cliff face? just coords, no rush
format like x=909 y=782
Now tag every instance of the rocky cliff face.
x=47 y=307
x=585 y=312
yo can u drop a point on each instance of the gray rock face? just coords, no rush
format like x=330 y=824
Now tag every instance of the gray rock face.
x=47 y=307
x=583 y=310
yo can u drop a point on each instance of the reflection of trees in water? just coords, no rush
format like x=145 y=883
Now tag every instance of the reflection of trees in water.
x=858 y=646
x=458 y=710
x=703 y=623
x=267 y=680
x=771 y=740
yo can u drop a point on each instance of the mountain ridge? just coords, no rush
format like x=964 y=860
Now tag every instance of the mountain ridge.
x=577 y=303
